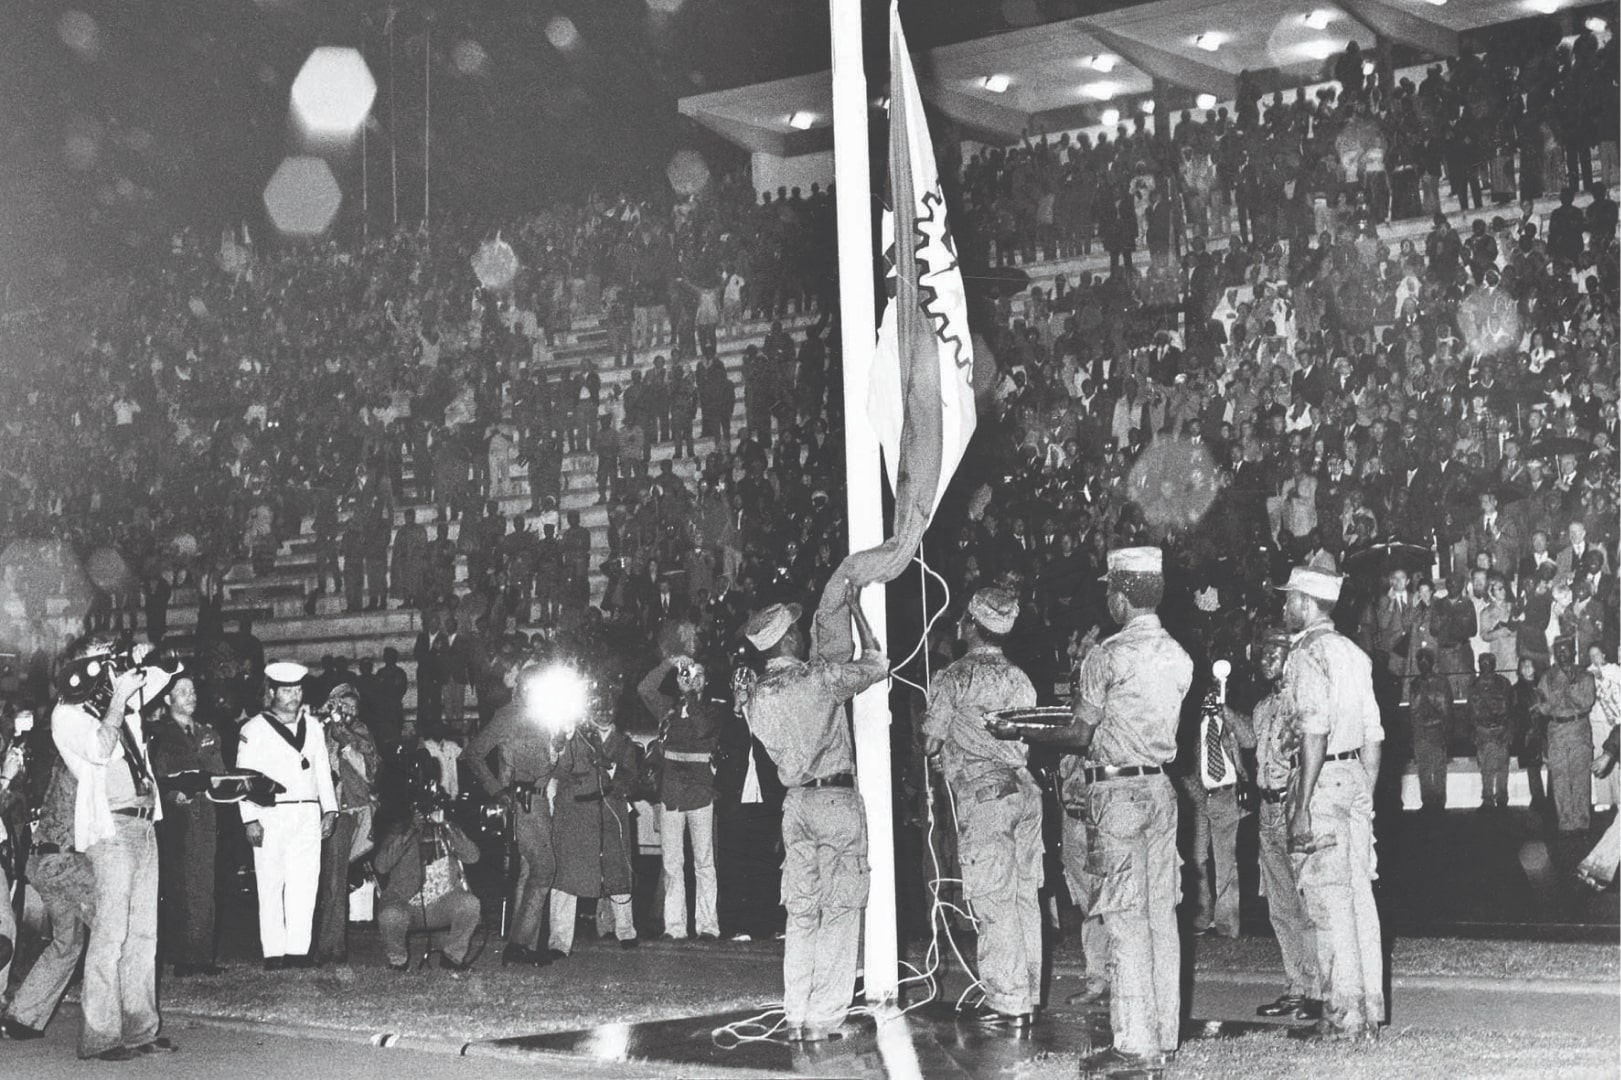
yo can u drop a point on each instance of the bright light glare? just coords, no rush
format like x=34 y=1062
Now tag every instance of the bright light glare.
x=560 y=31
x=1208 y=42
x=1597 y=25
x=1104 y=62
x=1321 y=49
x=1318 y=20
x=1147 y=106
x=1110 y=117
x=996 y=84
x=333 y=93
x=1547 y=7
x=802 y=121
x=556 y=697
x=303 y=197
x=1206 y=101
x=1102 y=91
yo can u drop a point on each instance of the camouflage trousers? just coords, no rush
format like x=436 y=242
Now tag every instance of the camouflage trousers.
x=1297 y=937
x=824 y=889
x=1336 y=883
x=1000 y=848
x=1132 y=870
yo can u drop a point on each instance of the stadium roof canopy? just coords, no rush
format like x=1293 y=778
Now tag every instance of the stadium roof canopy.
x=1060 y=75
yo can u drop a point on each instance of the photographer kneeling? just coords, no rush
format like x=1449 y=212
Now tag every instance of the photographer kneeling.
x=424 y=888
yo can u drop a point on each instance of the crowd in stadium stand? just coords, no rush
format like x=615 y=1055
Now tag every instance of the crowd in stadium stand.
x=1327 y=393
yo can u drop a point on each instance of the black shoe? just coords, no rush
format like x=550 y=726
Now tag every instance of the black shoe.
x=1287 y=1005
x=1310 y=1009
x=17 y=1031
x=117 y=1053
x=709 y=937
x=275 y=963
x=454 y=965
x=402 y=966
x=157 y=1046
x=1092 y=995
x=1112 y=1062
x=517 y=954
x=629 y=943
x=989 y=1017
x=556 y=954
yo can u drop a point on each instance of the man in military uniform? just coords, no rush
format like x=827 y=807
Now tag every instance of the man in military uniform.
x=285 y=743
x=998 y=808
x=1128 y=704
x=1328 y=688
x=525 y=753
x=795 y=710
x=1273 y=733
x=1565 y=697
x=689 y=728
x=186 y=836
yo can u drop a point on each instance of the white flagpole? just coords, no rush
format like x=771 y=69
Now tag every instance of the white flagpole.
x=427 y=117
x=858 y=325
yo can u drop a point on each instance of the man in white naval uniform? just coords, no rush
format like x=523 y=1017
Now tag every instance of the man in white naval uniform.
x=285 y=743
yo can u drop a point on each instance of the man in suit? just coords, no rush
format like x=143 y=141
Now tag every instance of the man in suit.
x=1494 y=532
x=1571 y=557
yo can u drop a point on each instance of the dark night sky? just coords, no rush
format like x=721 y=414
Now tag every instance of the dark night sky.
x=153 y=113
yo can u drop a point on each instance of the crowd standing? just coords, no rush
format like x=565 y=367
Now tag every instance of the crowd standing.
x=1421 y=440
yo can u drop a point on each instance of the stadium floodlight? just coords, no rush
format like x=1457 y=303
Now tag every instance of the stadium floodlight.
x=1147 y=106
x=1318 y=20
x=1597 y=25
x=996 y=84
x=802 y=121
x=1110 y=117
x=1210 y=41
x=1102 y=91
x=1205 y=101
x=1319 y=49
x=333 y=94
x=302 y=197
x=1104 y=62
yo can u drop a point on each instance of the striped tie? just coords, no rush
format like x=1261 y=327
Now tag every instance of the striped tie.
x=1215 y=757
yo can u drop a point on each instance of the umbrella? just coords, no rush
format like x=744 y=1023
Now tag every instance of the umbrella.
x=1555 y=445
x=1506 y=491
x=1389 y=555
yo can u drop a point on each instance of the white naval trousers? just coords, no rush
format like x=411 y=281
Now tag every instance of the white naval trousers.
x=288 y=868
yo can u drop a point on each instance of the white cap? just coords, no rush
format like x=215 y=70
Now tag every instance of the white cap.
x=1315 y=583
x=285 y=673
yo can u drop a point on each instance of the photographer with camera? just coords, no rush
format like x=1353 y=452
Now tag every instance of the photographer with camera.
x=353 y=756
x=525 y=754
x=97 y=728
x=424 y=887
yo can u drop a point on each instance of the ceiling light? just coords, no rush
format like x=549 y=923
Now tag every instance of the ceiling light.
x=1104 y=62
x=1318 y=20
x=1205 y=101
x=802 y=121
x=996 y=84
x=1110 y=117
x=1103 y=91
x=1208 y=42
x=1147 y=106
x=1597 y=25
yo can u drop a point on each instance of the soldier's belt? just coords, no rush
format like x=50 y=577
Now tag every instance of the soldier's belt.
x=841 y=780
x=1564 y=719
x=46 y=849
x=691 y=756
x=1344 y=755
x=1273 y=796
x=1120 y=772
x=589 y=796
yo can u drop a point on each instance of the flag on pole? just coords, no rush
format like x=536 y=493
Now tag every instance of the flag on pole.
x=922 y=403
x=922 y=400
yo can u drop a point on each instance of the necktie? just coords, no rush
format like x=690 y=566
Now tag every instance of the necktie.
x=1215 y=758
